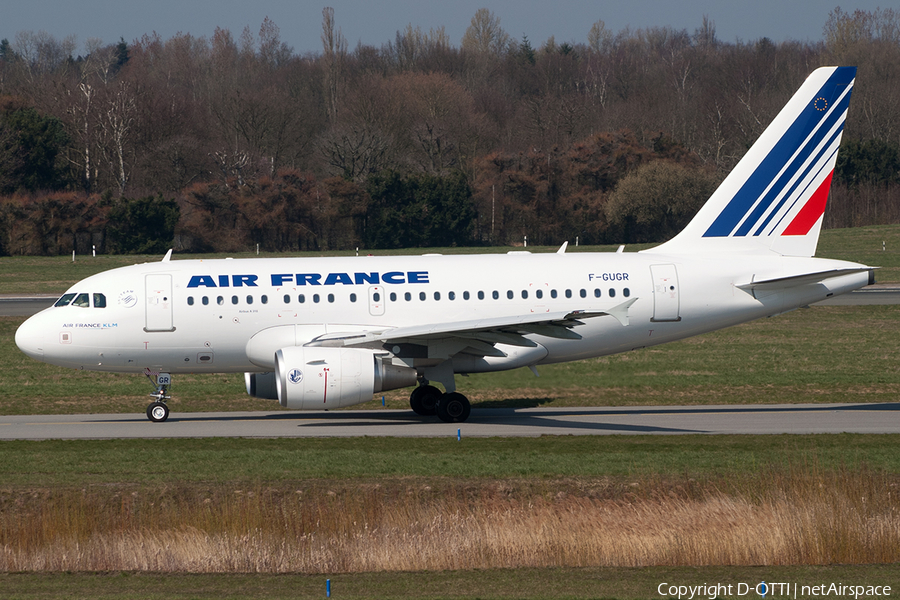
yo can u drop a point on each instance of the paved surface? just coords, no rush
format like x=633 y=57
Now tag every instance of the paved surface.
x=527 y=422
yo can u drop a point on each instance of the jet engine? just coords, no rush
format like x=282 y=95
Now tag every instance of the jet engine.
x=310 y=378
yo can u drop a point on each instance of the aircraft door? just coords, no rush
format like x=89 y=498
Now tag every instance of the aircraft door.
x=376 y=300
x=666 y=302
x=159 y=303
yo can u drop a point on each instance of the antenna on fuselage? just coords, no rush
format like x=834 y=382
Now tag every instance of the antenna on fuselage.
x=168 y=256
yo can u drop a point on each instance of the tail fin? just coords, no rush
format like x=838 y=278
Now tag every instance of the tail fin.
x=775 y=197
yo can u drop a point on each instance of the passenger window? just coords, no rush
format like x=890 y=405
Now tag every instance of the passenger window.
x=626 y=292
x=301 y=298
x=553 y=293
x=495 y=295
x=612 y=293
x=437 y=295
x=407 y=296
x=352 y=297
x=205 y=301
x=422 y=296
x=234 y=299
x=539 y=293
x=264 y=299
x=465 y=295
x=315 y=298
x=249 y=299
x=524 y=294
x=568 y=293
x=190 y=300
x=331 y=298
x=596 y=292
x=65 y=300
x=220 y=300
x=451 y=295
x=509 y=294
x=99 y=301
x=481 y=295
x=287 y=299
x=583 y=293
x=82 y=301
x=393 y=297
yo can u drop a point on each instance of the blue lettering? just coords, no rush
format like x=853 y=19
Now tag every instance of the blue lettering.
x=279 y=280
x=393 y=277
x=244 y=280
x=362 y=278
x=201 y=281
x=334 y=278
x=223 y=280
x=308 y=279
x=418 y=276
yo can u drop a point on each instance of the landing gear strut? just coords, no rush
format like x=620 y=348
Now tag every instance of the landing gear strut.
x=158 y=411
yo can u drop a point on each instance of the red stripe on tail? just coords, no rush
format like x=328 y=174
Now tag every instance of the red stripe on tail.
x=810 y=213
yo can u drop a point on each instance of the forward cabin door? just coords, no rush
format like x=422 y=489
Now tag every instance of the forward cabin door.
x=666 y=302
x=159 y=303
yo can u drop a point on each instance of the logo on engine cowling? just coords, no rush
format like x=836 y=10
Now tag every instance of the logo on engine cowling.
x=295 y=375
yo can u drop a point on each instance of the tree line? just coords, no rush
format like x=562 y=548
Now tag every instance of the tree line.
x=222 y=143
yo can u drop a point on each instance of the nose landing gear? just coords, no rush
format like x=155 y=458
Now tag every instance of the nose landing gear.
x=158 y=411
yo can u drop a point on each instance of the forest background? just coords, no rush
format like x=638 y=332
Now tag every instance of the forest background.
x=219 y=144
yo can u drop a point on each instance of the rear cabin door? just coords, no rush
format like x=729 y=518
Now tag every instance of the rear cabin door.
x=666 y=302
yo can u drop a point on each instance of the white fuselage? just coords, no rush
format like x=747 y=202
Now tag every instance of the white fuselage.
x=199 y=315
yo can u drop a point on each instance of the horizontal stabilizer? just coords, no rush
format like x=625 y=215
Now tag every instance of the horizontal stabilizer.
x=794 y=280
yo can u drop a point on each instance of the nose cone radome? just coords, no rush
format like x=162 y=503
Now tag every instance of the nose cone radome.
x=30 y=339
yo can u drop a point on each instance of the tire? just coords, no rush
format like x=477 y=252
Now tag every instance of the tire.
x=158 y=412
x=424 y=400
x=454 y=408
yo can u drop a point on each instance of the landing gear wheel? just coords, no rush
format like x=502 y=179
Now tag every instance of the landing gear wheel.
x=424 y=400
x=453 y=408
x=158 y=412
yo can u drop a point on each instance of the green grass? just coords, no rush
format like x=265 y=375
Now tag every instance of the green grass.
x=55 y=274
x=609 y=583
x=51 y=463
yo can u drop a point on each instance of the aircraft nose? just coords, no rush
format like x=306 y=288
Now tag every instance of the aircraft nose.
x=30 y=340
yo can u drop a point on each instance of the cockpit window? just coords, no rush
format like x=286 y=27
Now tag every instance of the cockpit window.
x=82 y=301
x=99 y=301
x=65 y=300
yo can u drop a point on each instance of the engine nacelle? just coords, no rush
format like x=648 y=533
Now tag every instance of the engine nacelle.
x=261 y=385
x=310 y=378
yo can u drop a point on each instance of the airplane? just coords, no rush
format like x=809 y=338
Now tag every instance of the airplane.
x=325 y=333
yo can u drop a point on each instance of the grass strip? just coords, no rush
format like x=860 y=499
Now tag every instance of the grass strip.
x=609 y=583
x=245 y=461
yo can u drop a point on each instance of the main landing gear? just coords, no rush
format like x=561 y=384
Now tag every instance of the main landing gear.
x=158 y=411
x=452 y=407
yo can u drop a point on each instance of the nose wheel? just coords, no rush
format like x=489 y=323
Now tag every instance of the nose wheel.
x=158 y=411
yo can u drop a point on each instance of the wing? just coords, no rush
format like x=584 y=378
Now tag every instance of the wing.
x=479 y=336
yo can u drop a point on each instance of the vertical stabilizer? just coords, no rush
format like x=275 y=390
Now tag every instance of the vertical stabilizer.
x=775 y=197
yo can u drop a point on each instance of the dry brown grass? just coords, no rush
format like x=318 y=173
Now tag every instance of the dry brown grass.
x=782 y=517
